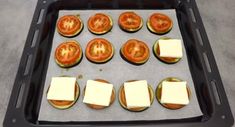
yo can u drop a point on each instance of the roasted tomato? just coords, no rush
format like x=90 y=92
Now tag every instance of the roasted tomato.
x=156 y=51
x=100 y=23
x=60 y=104
x=99 y=50
x=130 y=21
x=135 y=51
x=69 y=25
x=159 y=23
x=100 y=106
x=68 y=53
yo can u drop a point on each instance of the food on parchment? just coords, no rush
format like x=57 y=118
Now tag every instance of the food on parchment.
x=130 y=21
x=135 y=51
x=69 y=25
x=68 y=53
x=63 y=92
x=136 y=95
x=100 y=23
x=98 y=94
x=159 y=23
x=173 y=93
x=99 y=50
x=168 y=50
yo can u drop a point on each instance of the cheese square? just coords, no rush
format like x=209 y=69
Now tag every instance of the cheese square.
x=174 y=93
x=137 y=94
x=171 y=48
x=98 y=93
x=62 y=88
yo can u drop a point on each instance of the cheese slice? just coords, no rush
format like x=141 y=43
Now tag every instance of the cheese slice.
x=170 y=48
x=174 y=93
x=62 y=88
x=137 y=94
x=98 y=93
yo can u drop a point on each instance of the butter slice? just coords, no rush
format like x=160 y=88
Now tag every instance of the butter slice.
x=98 y=93
x=62 y=88
x=170 y=48
x=174 y=93
x=137 y=94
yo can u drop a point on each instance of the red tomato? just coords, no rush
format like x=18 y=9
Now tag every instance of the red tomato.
x=68 y=53
x=100 y=23
x=69 y=25
x=135 y=51
x=99 y=50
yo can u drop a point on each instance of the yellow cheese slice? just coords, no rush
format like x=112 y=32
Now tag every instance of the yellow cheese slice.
x=174 y=93
x=98 y=93
x=62 y=88
x=137 y=94
x=170 y=48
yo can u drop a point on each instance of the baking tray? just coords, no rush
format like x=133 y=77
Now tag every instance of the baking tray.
x=24 y=104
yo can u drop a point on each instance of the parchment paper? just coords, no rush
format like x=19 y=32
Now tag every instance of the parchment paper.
x=118 y=71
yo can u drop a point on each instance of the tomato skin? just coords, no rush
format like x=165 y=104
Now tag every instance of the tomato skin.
x=156 y=51
x=68 y=53
x=100 y=23
x=135 y=51
x=99 y=50
x=159 y=23
x=69 y=25
x=130 y=21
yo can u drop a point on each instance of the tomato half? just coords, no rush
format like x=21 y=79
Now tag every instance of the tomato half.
x=159 y=23
x=69 y=25
x=100 y=23
x=135 y=51
x=68 y=53
x=130 y=21
x=99 y=50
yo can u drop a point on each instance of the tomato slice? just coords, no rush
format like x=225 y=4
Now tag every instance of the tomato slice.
x=135 y=51
x=130 y=21
x=69 y=25
x=99 y=50
x=160 y=23
x=100 y=23
x=68 y=53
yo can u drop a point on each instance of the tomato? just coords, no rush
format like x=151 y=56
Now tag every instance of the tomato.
x=99 y=50
x=130 y=21
x=68 y=53
x=135 y=51
x=100 y=23
x=159 y=23
x=69 y=25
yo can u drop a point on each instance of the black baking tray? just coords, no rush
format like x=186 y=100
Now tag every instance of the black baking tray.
x=25 y=100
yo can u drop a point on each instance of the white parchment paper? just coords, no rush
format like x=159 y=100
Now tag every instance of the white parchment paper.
x=118 y=71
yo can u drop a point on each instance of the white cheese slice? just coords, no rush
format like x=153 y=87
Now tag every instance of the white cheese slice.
x=98 y=93
x=170 y=48
x=137 y=94
x=174 y=93
x=62 y=88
